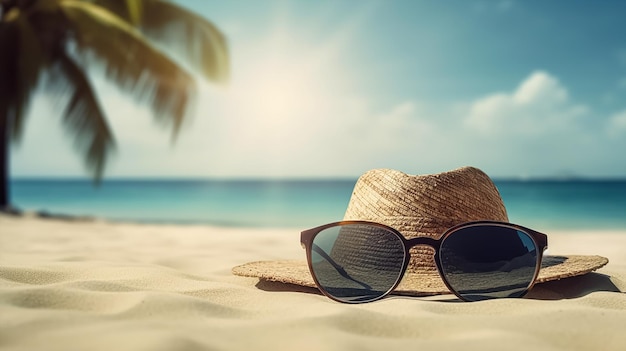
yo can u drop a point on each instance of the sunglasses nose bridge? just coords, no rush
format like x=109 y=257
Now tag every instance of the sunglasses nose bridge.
x=423 y=241
x=422 y=254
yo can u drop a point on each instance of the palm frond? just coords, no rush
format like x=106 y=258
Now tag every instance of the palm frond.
x=202 y=44
x=130 y=61
x=128 y=10
x=83 y=117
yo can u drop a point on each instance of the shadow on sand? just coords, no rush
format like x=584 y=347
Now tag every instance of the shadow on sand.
x=573 y=287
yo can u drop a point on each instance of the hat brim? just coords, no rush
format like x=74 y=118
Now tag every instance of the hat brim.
x=416 y=283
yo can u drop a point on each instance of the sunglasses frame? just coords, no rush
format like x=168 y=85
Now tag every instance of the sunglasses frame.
x=307 y=236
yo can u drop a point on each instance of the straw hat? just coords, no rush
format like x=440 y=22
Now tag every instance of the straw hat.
x=422 y=205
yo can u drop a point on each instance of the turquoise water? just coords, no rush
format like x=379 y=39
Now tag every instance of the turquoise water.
x=302 y=204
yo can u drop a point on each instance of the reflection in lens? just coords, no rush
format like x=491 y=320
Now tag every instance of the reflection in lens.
x=357 y=262
x=488 y=261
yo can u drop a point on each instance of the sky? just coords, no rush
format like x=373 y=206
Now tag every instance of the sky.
x=335 y=88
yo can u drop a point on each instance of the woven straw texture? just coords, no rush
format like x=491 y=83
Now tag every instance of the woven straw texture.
x=425 y=205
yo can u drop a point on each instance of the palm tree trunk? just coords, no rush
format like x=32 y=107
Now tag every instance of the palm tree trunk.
x=4 y=163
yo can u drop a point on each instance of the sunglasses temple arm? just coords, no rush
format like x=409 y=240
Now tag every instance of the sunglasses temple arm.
x=337 y=267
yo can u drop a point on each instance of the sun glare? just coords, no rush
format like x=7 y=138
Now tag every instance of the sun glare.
x=275 y=89
x=282 y=83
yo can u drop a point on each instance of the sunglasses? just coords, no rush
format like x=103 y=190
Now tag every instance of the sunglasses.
x=361 y=261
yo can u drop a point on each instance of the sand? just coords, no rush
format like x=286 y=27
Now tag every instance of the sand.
x=96 y=285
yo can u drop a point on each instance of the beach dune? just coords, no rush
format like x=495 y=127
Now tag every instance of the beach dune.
x=97 y=285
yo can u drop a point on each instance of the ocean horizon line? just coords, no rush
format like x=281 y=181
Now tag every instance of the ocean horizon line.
x=297 y=179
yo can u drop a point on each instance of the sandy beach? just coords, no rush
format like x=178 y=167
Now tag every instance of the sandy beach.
x=96 y=285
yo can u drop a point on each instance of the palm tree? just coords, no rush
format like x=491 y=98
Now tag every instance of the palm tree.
x=52 y=44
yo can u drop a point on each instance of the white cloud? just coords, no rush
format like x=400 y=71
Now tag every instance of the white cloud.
x=534 y=129
x=617 y=124
x=540 y=88
x=540 y=105
x=403 y=121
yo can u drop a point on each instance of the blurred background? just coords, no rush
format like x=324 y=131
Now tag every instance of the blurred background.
x=531 y=92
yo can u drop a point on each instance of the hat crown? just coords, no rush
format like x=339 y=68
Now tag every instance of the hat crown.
x=425 y=205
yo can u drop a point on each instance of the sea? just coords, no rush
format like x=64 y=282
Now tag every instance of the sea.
x=573 y=204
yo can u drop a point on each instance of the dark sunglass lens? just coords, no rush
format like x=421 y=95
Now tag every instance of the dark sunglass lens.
x=489 y=261
x=357 y=262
